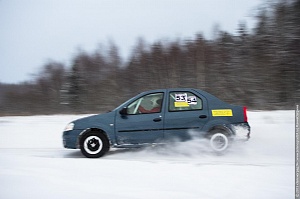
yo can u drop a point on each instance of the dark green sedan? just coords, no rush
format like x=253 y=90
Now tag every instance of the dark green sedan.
x=158 y=117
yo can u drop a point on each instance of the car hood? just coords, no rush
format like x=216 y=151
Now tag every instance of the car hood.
x=95 y=121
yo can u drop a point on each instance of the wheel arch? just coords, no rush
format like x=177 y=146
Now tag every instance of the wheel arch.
x=227 y=131
x=97 y=130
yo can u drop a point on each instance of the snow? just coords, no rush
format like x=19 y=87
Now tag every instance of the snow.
x=33 y=164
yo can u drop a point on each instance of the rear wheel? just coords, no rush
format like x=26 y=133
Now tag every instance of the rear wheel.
x=219 y=139
x=219 y=142
x=94 y=144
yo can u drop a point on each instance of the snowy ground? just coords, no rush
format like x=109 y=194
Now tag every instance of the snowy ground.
x=34 y=165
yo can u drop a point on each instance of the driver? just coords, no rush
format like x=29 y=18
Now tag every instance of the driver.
x=155 y=106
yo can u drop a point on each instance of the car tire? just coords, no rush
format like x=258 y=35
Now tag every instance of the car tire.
x=219 y=140
x=94 y=144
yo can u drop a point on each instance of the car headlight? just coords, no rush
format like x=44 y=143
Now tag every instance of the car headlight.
x=70 y=127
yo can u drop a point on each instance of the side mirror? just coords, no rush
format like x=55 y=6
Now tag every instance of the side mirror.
x=123 y=111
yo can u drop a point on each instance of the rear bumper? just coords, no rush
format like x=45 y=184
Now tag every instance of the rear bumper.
x=242 y=131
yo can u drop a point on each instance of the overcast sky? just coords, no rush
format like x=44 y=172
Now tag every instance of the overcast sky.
x=33 y=32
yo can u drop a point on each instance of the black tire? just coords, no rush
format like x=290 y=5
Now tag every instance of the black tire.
x=219 y=140
x=94 y=144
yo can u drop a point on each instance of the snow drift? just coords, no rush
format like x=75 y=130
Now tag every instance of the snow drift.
x=33 y=164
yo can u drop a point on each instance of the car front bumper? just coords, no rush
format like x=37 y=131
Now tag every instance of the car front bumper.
x=70 y=139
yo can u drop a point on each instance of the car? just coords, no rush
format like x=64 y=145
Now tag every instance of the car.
x=158 y=117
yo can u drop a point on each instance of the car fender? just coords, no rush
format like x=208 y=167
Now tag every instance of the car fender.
x=219 y=124
x=109 y=136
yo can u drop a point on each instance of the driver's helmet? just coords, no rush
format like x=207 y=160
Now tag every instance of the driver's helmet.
x=156 y=101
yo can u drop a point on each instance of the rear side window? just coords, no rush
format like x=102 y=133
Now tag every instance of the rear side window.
x=184 y=101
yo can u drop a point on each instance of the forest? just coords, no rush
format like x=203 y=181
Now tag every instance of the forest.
x=257 y=68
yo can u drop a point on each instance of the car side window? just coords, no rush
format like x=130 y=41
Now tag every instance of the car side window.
x=150 y=103
x=184 y=101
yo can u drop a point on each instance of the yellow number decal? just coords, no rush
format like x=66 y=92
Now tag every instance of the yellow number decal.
x=222 y=112
x=181 y=104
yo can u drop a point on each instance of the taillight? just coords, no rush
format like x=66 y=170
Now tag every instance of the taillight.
x=245 y=114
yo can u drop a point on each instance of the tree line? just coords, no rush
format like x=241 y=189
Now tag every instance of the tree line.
x=258 y=68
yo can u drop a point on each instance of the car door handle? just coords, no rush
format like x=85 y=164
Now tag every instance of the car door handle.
x=203 y=116
x=157 y=119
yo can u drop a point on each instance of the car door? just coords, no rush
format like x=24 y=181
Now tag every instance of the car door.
x=143 y=121
x=186 y=113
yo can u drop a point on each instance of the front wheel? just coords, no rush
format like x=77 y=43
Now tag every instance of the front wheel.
x=219 y=142
x=94 y=145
